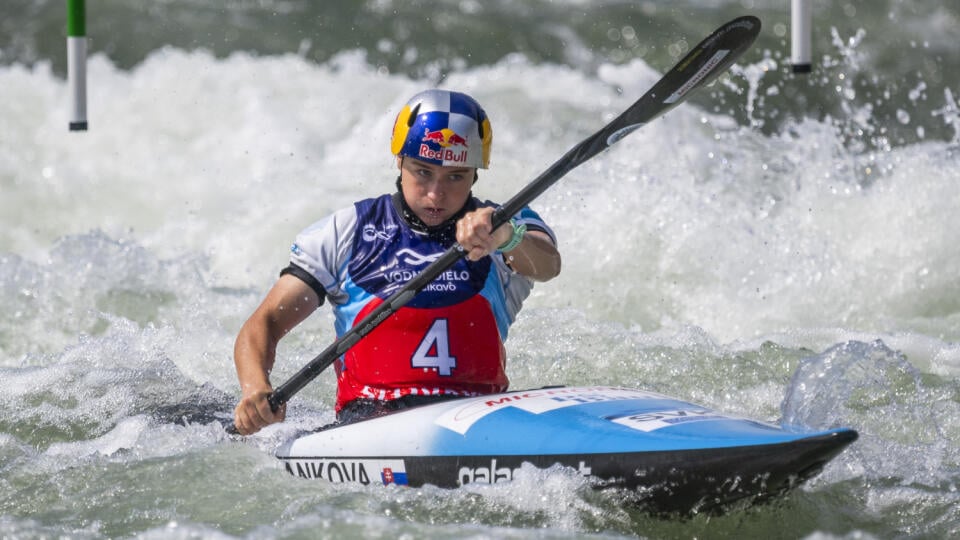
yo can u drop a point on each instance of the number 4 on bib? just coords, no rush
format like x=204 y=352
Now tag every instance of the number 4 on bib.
x=434 y=350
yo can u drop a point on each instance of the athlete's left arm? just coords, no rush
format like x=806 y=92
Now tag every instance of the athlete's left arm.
x=536 y=257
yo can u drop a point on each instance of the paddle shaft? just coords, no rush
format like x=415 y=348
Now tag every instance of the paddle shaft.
x=702 y=65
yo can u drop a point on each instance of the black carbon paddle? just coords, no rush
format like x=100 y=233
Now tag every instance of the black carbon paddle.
x=699 y=67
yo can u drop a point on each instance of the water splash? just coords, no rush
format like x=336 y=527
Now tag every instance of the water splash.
x=951 y=115
x=907 y=421
x=754 y=74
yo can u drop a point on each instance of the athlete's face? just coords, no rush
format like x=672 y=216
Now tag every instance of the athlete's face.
x=434 y=193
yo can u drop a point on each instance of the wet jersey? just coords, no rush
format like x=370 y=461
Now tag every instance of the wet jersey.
x=448 y=340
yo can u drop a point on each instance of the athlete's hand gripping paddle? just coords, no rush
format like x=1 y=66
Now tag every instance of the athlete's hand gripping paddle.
x=699 y=67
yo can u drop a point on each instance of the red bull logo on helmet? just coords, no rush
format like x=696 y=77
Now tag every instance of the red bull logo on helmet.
x=445 y=137
x=452 y=146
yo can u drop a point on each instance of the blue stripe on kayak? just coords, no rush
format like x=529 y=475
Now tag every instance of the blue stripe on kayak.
x=591 y=428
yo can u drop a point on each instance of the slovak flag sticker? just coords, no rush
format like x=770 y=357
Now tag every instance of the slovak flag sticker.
x=389 y=476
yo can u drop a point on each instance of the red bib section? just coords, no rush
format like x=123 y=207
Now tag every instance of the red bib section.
x=453 y=350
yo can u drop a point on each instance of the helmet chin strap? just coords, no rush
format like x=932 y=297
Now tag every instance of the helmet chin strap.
x=446 y=229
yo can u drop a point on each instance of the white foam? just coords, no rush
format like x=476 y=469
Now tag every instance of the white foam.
x=122 y=437
x=700 y=259
x=687 y=220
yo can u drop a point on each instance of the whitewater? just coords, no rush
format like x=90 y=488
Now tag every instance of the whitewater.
x=799 y=271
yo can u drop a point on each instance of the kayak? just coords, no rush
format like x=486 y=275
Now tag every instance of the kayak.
x=670 y=455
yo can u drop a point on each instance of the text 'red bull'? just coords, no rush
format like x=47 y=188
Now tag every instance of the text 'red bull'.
x=447 y=139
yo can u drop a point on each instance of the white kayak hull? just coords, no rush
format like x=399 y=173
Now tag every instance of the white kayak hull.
x=679 y=457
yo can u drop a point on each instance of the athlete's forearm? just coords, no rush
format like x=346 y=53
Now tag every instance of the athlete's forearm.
x=288 y=303
x=254 y=354
x=535 y=257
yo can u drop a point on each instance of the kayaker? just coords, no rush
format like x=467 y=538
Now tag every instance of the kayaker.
x=448 y=340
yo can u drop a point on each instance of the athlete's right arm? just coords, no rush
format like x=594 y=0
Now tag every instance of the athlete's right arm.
x=288 y=303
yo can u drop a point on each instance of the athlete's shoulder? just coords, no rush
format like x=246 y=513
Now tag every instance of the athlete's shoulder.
x=526 y=216
x=343 y=220
x=374 y=204
x=330 y=234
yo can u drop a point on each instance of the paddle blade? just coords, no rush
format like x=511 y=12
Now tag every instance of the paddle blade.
x=701 y=66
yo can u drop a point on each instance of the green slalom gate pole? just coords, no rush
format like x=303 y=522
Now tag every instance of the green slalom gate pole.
x=77 y=63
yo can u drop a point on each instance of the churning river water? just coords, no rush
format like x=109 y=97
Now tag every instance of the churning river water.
x=782 y=247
